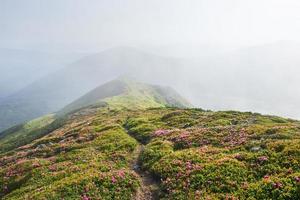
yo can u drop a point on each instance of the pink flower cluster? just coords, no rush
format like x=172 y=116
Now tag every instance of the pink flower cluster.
x=121 y=174
x=263 y=158
x=266 y=177
x=52 y=168
x=235 y=137
x=189 y=165
x=85 y=197
x=161 y=132
x=113 y=179
x=238 y=157
x=277 y=185
x=184 y=135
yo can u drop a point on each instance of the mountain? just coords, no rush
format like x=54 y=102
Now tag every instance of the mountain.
x=126 y=140
x=119 y=91
x=117 y=94
x=24 y=133
x=53 y=92
x=19 y=67
x=261 y=79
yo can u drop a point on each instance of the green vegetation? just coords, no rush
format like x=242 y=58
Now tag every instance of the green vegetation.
x=25 y=133
x=124 y=93
x=88 y=160
x=196 y=154
x=92 y=153
x=220 y=155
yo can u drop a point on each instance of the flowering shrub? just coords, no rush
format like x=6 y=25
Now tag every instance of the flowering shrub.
x=154 y=151
x=273 y=188
x=217 y=160
x=86 y=165
x=160 y=132
x=195 y=154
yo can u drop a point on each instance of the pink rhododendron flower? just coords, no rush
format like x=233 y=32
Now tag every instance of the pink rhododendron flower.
x=161 y=132
x=21 y=161
x=277 y=185
x=189 y=165
x=121 y=174
x=263 y=158
x=113 y=179
x=36 y=164
x=266 y=177
x=183 y=135
x=238 y=157
x=52 y=168
x=84 y=197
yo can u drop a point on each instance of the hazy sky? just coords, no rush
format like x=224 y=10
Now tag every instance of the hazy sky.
x=34 y=23
x=262 y=78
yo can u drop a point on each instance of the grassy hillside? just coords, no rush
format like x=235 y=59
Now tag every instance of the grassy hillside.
x=191 y=153
x=219 y=155
x=126 y=93
x=24 y=133
x=116 y=94
x=87 y=157
x=132 y=145
x=56 y=90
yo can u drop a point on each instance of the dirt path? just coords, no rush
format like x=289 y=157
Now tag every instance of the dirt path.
x=149 y=186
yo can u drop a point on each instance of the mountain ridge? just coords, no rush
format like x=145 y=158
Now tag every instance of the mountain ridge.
x=58 y=89
x=109 y=152
x=121 y=93
x=124 y=90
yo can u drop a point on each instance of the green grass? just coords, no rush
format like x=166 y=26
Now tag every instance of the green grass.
x=218 y=155
x=125 y=93
x=72 y=162
x=141 y=96
x=193 y=153
x=23 y=134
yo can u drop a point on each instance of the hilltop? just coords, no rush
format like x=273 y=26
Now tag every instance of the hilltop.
x=221 y=82
x=116 y=94
x=130 y=140
x=54 y=91
x=127 y=93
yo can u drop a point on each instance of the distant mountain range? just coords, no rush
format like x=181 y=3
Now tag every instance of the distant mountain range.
x=122 y=93
x=58 y=89
x=262 y=78
x=134 y=141
x=20 y=68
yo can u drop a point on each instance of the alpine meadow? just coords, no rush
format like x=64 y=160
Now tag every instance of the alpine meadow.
x=149 y=100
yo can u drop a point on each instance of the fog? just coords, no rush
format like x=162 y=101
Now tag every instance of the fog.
x=220 y=55
x=81 y=25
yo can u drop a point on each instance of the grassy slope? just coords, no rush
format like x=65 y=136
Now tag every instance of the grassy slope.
x=126 y=93
x=195 y=154
x=22 y=134
x=137 y=96
x=220 y=155
x=88 y=156
x=110 y=89
x=50 y=167
x=119 y=93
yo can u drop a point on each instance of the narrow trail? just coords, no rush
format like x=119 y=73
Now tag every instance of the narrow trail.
x=149 y=189
x=149 y=186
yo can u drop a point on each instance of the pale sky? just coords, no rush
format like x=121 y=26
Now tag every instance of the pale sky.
x=34 y=23
x=216 y=33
